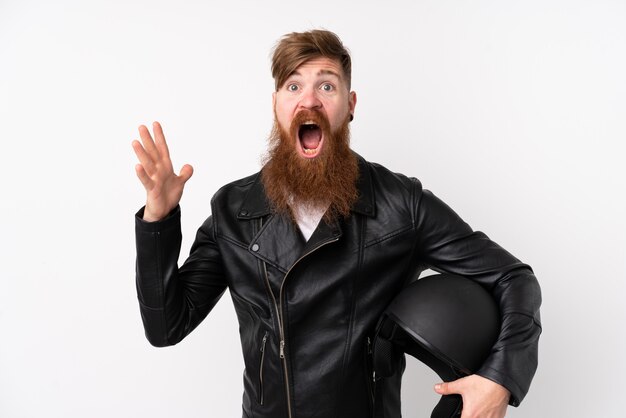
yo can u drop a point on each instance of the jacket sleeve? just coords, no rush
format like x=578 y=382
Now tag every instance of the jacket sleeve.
x=447 y=244
x=172 y=300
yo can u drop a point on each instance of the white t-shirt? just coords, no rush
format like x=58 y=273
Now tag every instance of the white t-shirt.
x=308 y=218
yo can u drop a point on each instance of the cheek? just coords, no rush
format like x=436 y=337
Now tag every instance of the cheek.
x=284 y=113
x=337 y=116
x=285 y=121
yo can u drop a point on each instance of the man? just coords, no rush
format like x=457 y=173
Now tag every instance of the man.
x=312 y=249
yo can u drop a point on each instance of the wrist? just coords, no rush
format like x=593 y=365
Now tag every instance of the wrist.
x=150 y=216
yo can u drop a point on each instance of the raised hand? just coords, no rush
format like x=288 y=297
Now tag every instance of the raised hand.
x=163 y=187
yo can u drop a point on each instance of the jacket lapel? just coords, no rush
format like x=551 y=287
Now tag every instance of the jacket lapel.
x=279 y=242
x=323 y=234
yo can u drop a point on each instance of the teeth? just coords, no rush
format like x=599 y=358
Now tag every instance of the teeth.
x=310 y=151
x=309 y=122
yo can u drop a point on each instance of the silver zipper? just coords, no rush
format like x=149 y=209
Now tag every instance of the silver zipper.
x=279 y=311
x=370 y=373
x=261 y=391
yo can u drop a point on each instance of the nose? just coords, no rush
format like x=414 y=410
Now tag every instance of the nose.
x=309 y=99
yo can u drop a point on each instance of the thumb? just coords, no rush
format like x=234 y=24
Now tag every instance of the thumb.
x=448 y=388
x=186 y=172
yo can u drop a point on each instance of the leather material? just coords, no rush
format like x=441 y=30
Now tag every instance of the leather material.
x=334 y=289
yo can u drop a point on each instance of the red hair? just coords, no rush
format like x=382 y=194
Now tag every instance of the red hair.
x=296 y=48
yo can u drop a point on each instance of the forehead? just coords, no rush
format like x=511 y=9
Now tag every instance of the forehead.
x=318 y=67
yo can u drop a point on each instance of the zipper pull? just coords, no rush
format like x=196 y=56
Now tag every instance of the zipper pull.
x=263 y=343
x=282 y=348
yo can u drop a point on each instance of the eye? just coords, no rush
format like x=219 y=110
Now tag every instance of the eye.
x=292 y=87
x=327 y=87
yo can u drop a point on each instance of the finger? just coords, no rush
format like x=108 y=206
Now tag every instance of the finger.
x=159 y=140
x=185 y=173
x=144 y=177
x=448 y=388
x=145 y=159
x=148 y=143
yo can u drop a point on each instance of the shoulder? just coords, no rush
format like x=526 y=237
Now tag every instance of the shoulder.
x=237 y=187
x=386 y=181
x=394 y=195
x=231 y=196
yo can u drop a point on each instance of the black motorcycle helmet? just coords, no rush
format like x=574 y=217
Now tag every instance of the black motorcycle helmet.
x=448 y=322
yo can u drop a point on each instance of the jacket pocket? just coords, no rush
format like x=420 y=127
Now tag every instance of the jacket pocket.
x=261 y=394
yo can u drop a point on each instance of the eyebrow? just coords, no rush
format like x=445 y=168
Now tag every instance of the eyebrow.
x=320 y=72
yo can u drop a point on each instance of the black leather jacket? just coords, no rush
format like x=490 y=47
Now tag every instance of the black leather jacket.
x=307 y=310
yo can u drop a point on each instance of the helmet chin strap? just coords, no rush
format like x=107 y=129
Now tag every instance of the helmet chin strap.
x=390 y=343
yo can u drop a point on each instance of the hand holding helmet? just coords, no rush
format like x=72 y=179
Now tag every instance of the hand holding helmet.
x=481 y=397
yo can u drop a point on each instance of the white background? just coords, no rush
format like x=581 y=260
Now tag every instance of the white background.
x=512 y=112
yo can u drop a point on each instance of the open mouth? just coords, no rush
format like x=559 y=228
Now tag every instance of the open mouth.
x=311 y=139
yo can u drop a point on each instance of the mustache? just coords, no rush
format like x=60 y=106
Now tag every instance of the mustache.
x=309 y=115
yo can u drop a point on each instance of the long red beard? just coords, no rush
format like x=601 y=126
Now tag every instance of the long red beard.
x=328 y=180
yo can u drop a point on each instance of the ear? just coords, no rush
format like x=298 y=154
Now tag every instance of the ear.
x=352 y=102
x=274 y=100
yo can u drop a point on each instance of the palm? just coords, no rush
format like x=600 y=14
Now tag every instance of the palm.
x=163 y=187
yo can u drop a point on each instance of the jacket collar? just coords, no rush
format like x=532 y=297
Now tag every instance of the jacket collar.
x=256 y=204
